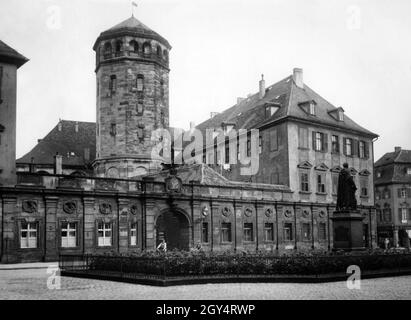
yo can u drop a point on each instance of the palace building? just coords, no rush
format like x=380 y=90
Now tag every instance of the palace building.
x=96 y=187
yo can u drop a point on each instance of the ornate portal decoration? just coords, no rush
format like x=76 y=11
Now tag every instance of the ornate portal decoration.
x=248 y=212
x=70 y=207
x=105 y=208
x=226 y=211
x=173 y=184
x=322 y=214
x=133 y=209
x=269 y=212
x=306 y=213
x=30 y=206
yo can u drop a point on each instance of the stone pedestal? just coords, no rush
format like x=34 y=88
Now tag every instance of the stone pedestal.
x=348 y=230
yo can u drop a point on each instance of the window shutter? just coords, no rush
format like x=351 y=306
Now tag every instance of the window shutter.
x=313 y=136
x=325 y=142
x=367 y=150
x=345 y=146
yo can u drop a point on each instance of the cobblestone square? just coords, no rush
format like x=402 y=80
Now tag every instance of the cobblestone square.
x=32 y=284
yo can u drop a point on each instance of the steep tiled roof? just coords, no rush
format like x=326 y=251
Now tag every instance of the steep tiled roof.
x=250 y=113
x=393 y=167
x=70 y=144
x=8 y=54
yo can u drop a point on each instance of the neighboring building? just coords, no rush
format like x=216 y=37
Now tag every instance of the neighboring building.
x=304 y=141
x=73 y=142
x=10 y=61
x=392 y=176
x=129 y=204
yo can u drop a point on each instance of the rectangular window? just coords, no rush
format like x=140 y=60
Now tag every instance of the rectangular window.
x=204 y=233
x=303 y=138
x=260 y=144
x=321 y=183
x=364 y=192
x=69 y=234
x=28 y=235
x=227 y=151
x=226 y=232
x=306 y=231
x=104 y=234
x=402 y=193
x=288 y=231
x=268 y=232
x=113 y=129
x=318 y=141
x=248 y=232
x=113 y=84
x=322 y=231
x=133 y=234
x=304 y=182
x=361 y=149
x=140 y=83
x=249 y=145
x=409 y=171
x=273 y=140
x=335 y=144
x=404 y=216
x=348 y=147
x=312 y=108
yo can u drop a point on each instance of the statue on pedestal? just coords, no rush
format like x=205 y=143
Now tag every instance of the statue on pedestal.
x=346 y=190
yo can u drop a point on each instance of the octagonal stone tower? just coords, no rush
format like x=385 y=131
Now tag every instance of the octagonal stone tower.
x=132 y=69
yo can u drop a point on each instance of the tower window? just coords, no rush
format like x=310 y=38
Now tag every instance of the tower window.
x=107 y=50
x=113 y=129
x=159 y=51
x=162 y=118
x=134 y=46
x=119 y=48
x=113 y=84
x=162 y=89
x=147 y=48
x=140 y=83
x=140 y=108
x=165 y=55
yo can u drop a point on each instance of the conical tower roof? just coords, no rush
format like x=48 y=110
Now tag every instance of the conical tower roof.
x=9 y=55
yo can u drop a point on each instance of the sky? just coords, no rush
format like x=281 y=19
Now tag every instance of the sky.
x=356 y=54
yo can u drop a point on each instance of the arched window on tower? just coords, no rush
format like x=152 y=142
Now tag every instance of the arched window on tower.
x=159 y=52
x=134 y=46
x=107 y=50
x=165 y=55
x=162 y=118
x=162 y=89
x=147 y=48
x=119 y=48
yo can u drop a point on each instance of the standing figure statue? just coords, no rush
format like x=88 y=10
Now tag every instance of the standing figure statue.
x=346 y=190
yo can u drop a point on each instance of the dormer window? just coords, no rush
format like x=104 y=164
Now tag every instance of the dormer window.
x=340 y=115
x=378 y=174
x=227 y=127
x=312 y=108
x=270 y=110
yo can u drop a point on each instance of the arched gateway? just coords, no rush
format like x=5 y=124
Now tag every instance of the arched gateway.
x=173 y=226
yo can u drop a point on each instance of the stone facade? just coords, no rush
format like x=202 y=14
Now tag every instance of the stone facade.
x=132 y=99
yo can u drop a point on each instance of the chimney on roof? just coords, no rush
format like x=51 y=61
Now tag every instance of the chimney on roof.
x=397 y=149
x=239 y=100
x=58 y=164
x=262 y=87
x=192 y=125
x=76 y=127
x=213 y=114
x=298 y=77
x=59 y=127
x=32 y=166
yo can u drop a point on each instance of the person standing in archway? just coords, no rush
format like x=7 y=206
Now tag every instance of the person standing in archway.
x=162 y=247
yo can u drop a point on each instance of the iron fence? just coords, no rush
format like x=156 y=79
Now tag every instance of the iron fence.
x=198 y=265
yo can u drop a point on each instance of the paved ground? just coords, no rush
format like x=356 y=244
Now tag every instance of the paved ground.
x=31 y=283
